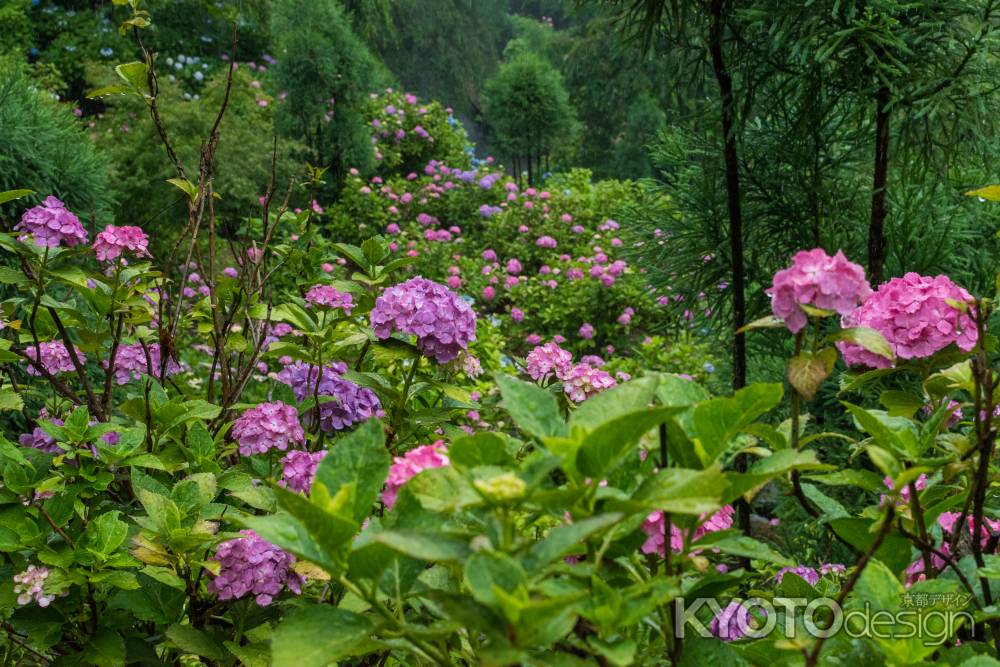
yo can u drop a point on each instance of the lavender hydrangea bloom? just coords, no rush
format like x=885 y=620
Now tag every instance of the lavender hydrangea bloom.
x=443 y=324
x=40 y=440
x=299 y=469
x=115 y=241
x=268 y=426
x=130 y=362
x=54 y=357
x=252 y=565
x=353 y=404
x=732 y=623
x=51 y=225
x=808 y=574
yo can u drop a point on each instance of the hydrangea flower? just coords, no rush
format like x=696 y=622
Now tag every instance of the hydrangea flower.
x=29 y=585
x=406 y=466
x=583 y=381
x=40 y=440
x=916 y=318
x=115 y=241
x=51 y=224
x=546 y=242
x=268 y=426
x=808 y=574
x=130 y=362
x=653 y=527
x=54 y=357
x=354 y=404
x=252 y=565
x=299 y=469
x=443 y=323
x=329 y=296
x=818 y=280
x=586 y=330
x=732 y=623
x=549 y=358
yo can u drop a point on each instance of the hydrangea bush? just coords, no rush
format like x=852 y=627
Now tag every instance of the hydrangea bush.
x=299 y=449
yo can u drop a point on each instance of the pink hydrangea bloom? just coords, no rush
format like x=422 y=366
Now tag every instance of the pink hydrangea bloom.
x=653 y=527
x=443 y=323
x=818 y=280
x=115 y=241
x=131 y=362
x=546 y=359
x=329 y=296
x=54 y=357
x=583 y=381
x=51 y=224
x=30 y=585
x=916 y=318
x=808 y=574
x=546 y=242
x=516 y=314
x=268 y=426
x=406 y=466
x=513 y=266
x=298 y=468
x=586 y=330
x=252 y=565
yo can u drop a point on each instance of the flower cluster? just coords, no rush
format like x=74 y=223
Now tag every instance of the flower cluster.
x=299 y=469
x=131 y=362
x=546 y=359
x=949 y=523
x=268 y=426
x=29 y=585
x=51 y=224
x=917 y=315
x=583 y=381
x=653 y=527
x=406 y=466
x=818 y=280
x=353 y=404
x=115 y=241
x=732 y=623
x=329 y=296
x=808 y=574
x=40 y=440
x=443 y=324
x=252 y=565
x=54 y=357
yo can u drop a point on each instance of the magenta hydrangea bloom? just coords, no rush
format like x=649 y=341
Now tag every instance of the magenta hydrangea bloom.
x=443 y=323
x=818 y=280
x=808 y=574
x=252 y=565
x=54 y=357
x=51 y=224
x=546 y=242
x=354 y=404
x=268 y=426
x=406 y=466
x=299 y=469
x=546 y=359
x=115 y=241
x=131 y=363
x=586 y=330
x=732 y=623
x=653 y=527
x=329 y=296
x=917 y=318
x=583 y=381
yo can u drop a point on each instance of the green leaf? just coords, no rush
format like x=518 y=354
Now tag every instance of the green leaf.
x=895 y=434
x=486 y=571
x=869 y=339
x=318 y=635
x=534 y=410
x=717 y=421
x=901 y=403
x=427 y=546
x=562 y=540
x=134 y=74
x=989 y=193
x=161 y=510
x=766 y=322
x=10 y=400
x=605 y=446
x=330 y=531
x=105 y=648
x=105 y=91
x=731 y=542
x=285 y=531
x=193 y=640
x=683 y=491
x=480 y=449
x=359 y=458
x=806 y=371
x=622 y=399
x=828 y=507
x=105 y=534
x=673 y=390
x=11 y=195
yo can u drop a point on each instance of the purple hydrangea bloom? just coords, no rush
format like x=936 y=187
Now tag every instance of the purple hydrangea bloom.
x=268 y=426
x=327 y=295
x=299 y=469
x=252 y=565
x=40 y=440
x=54 y=357
x=353 y=404
x=51 y=224
x=130 y=362
x=808 y=574
x=115 y=241
x=443 y=323
x=732 y=623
